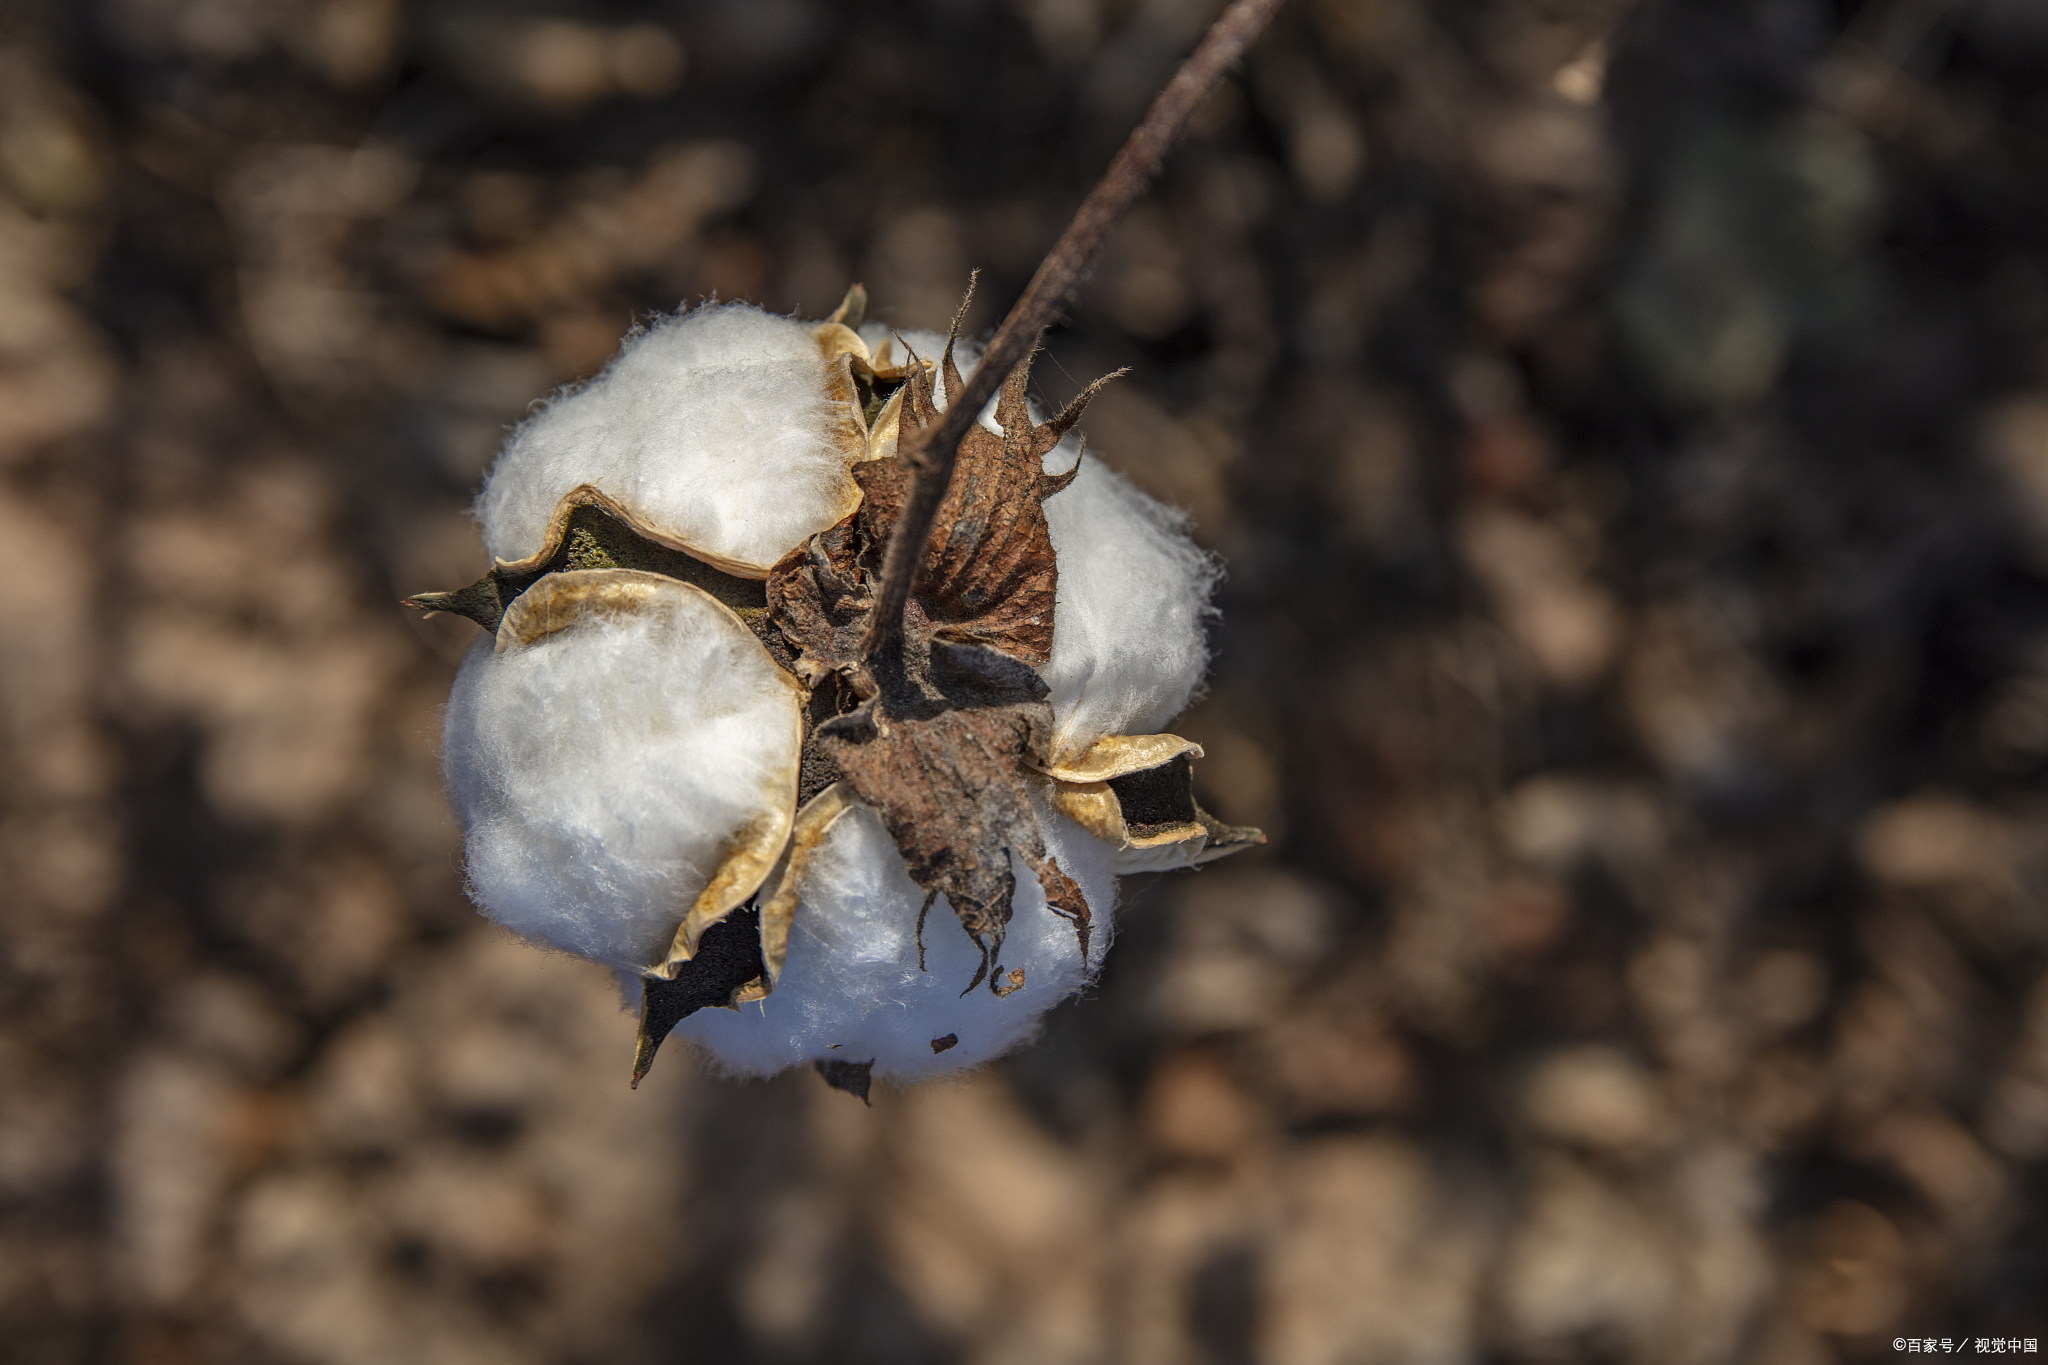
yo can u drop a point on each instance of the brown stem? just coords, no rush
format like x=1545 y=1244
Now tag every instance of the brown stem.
x=1049 y=291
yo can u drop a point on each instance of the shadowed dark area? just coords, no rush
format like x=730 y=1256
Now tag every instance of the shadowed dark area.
x=728 y=957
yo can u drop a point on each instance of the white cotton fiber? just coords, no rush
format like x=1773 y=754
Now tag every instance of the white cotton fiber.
x=851 y=989
x=1128 y=644
x=1128 y=648
x=600 y=770
x=714 y=426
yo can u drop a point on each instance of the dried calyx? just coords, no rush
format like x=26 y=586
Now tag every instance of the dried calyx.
x=943 y=727
x=945 y=730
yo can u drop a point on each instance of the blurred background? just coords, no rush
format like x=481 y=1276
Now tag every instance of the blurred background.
x=1627 y=426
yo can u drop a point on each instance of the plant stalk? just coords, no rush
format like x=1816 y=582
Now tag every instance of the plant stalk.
x=1050 y=290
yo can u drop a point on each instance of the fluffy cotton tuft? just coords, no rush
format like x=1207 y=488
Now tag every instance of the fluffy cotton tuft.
x=714 y=427
x=852 y=991
x=1128 y=641
x=1128 y=645
x=601 y=770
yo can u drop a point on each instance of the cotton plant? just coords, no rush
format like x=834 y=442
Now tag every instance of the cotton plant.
x=823 y=683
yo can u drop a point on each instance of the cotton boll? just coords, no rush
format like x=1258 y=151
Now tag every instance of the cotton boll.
x=714 y=427
x=851 y=989
x=601 y=769
x=1128 y=645
x=627 y=749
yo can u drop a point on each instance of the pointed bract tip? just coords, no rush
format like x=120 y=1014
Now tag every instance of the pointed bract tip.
x=960 y=313
x=947 y=366
x=1071 y=413
x=853 y=309
x=643 y=1060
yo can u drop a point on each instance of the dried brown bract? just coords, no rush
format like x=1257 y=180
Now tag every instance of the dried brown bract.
x=947 y=734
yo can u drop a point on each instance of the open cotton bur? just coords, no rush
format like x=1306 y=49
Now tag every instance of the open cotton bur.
x=678 y=751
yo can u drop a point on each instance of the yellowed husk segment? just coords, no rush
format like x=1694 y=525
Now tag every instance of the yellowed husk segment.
x=561 y=600
x=589 y=495
x=1122 y=755
x=1081 y=792
x=844 y=350
x=779 y=894
x=846 y=357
